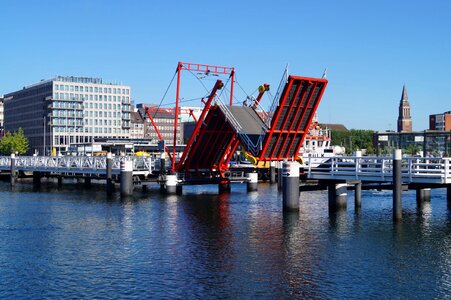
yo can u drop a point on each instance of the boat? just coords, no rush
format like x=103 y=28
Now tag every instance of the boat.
x=316 y=148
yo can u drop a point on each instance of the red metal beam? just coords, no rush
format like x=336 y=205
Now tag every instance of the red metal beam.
x=217 y=86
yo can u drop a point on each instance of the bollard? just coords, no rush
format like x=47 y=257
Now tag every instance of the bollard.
x=13 y=170
x=126 y=178
x=252 y=182
x=109 y=173
x=337 y=196
x=272 y=172
x=224 y=187
x=170 y=184
x=397 y=185
x=290 y=185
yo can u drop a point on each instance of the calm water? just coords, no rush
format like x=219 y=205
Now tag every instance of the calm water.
x=72 y=243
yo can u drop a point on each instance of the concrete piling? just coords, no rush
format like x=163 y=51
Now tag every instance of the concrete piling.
x=279 y=175
x=109 y=173
x=358 y=195
x=126 y=178
x=252 y=182
x=423 y=195
x=162 y=163
x=224 y=187
x=397 y=185
x=13 y=170
x=170 y=184
x=337 y=193
x=37 y=179
x=290 y=185
x=272 y=172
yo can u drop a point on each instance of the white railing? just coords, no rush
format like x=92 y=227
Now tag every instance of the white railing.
x=380 y=169
x=76 y=164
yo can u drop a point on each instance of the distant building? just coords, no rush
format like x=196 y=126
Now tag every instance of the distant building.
x=431 y=143
x=64 y=111
x=441 y=122
x=164 y=120
x=136 y=125
x=404 y=118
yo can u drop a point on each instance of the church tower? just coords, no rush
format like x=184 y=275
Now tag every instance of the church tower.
x=404 y=119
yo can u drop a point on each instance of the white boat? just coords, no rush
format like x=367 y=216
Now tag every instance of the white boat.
x=317 y=148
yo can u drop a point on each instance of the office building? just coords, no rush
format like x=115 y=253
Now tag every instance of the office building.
x=441 y=122
x=62 y=111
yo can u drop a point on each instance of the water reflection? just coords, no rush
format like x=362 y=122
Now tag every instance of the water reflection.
x=74 y=243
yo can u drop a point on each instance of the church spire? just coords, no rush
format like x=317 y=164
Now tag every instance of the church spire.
x=404 y=118
x=404 y=96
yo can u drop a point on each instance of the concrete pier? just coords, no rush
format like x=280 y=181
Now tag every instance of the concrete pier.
x=397 y=185
x=279 y=175
x=290 y=185
x=109 y=174
x=358 y=195
x=170 y=184
x=162 y=163
x=423 y=195
x=337 y=193
x=13 y=170
x=87 y=182
x=252 y=182
x=127 y=178
x=224 y=187
x=272 y=172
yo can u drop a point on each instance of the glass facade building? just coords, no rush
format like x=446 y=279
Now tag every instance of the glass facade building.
x=62 y=111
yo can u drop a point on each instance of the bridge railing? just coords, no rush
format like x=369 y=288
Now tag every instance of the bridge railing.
x=75 y=164
x=414 y=169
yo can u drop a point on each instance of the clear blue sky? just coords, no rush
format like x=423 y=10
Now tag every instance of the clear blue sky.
x=371 y=48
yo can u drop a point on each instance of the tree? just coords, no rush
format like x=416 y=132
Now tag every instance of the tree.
x=6 y=143
x=12 y=143
x=20 y=141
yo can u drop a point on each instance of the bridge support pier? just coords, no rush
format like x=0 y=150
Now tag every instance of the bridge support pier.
x=60 y=181
x=109 y=174
x=397 y=185
x=423 y=195
x=272 y=172
x=338 y=193
x=13 y=170
x=127 y=178
x=224 y=187
x=252 y=182
x=358 y=196
x=162 y=163
x=170 y=184
x=290 y=185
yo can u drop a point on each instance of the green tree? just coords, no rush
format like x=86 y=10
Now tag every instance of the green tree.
x=12 y=143
x=6 y=143
x=354 y=139
x=20 y=141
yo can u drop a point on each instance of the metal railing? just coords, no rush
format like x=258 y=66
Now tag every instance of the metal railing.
x=76 y=164
x=380 y=169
